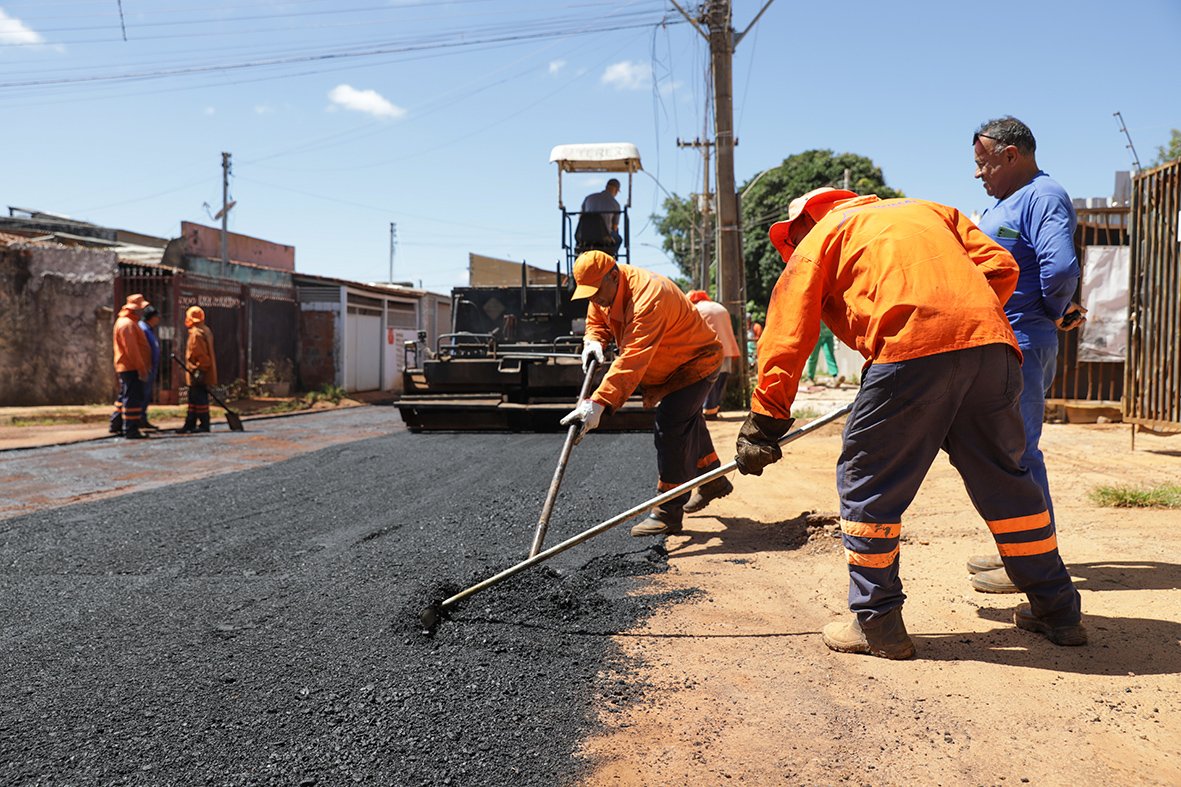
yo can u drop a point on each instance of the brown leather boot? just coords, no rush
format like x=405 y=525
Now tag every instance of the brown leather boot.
x=886 y=637
x=663 y=521
x=1069 y=635
x=995 y=581
x=978 y=564
x=707 y=493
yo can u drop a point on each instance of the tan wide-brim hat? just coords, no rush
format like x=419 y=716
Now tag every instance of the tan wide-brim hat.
x=136 y=302
x=816 y=203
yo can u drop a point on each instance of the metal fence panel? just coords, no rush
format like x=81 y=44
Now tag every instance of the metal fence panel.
x=1084 y=381
x=1152 y=378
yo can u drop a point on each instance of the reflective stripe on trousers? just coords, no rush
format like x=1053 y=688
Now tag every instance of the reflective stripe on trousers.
x=965 y=402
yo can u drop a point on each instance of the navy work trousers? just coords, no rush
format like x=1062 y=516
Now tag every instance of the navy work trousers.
x=130 y=407
x=967 y=403
x=684 y=449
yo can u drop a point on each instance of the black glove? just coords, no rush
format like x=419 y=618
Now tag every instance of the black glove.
x=758 y=442
x=198 y=376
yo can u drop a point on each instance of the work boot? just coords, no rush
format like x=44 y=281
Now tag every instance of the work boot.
x=886 y=636
x=707 y=493
x=134 y=433
x=994 y=581
x=203 y=423
x=980 y=563
x=1068 y=635
x=661 y=522
x=148 y=427
x=190 y=424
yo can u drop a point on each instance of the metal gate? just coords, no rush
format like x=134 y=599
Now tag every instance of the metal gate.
x=1089 y=381
x=157 y=283
x=1152 y=380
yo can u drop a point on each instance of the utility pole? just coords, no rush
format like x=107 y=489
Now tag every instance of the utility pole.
x=393 y=245
x=705 y=208
x=225 y=207
x=716 y=15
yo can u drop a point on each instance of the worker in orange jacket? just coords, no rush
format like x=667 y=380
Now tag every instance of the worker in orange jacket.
x=202 y=370
x=716 y=316
x=919 y=291
x=133 y=363
x=668 y=352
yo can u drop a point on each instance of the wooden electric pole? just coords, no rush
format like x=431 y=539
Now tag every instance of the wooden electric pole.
x=225 y=207
x=716 y=16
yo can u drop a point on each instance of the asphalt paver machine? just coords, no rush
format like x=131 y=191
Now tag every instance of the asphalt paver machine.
x=512 y=360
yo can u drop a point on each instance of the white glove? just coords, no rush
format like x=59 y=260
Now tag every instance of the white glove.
x=590 y=347
x=589 y=412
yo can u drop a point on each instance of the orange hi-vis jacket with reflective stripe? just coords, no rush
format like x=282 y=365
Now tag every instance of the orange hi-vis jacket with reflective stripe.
x=664 y=344
x=199 y=353
x=132 y=351
x=894 y=279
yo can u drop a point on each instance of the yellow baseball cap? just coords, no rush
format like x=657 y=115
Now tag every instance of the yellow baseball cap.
x=589 y=270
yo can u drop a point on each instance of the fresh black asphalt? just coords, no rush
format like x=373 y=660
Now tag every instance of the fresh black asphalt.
x=261 y=627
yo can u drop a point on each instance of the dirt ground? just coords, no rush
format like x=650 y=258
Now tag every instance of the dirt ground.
x=739 y=688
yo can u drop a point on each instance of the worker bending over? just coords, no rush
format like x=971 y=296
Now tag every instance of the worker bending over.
x=669 y=351
x=918 y=290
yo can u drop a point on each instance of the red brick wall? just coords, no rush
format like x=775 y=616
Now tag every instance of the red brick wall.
x=317 y=349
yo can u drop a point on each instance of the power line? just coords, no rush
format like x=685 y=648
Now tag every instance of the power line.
x=195 y=70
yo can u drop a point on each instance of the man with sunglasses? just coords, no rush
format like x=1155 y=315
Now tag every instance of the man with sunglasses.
x=918 y=290
x=1034 y=221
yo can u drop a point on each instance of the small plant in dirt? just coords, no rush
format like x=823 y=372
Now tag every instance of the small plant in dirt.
x=280 y=371
x=236 y=390
x=1160 y=496
x=326 y=393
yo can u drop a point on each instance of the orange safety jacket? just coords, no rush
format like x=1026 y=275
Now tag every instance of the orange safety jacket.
x=664 y=344
x=894 y=279
x=132 y=351
x=199 y=353
x=716 y=316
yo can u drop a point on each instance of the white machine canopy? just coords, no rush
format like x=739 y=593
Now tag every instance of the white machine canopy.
x=597 y=157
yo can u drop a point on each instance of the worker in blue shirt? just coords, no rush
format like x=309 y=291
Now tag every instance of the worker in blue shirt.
x=1034 y=220
x=148 y=322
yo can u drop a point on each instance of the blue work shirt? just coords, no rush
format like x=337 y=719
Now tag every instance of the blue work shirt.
x=1036 y=225
x=154 y=343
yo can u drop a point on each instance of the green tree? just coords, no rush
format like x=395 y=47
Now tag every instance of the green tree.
x=1171 y=151
x=677 y=225
x=767 y=199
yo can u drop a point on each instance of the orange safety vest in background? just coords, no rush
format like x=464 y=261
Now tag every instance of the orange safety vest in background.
x=716 y=316
x=894 y=279
x=199 y=353
x=664 y=344
x=132 y=351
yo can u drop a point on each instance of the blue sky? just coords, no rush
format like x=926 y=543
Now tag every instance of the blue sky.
x=345 y=115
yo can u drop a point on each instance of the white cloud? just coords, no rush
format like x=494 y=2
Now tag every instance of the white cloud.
x=368 y=101
x=670 y=87
x=626 y=75
x=14 y=31
x=555 y=66
x=210 y=110
x=263 y=109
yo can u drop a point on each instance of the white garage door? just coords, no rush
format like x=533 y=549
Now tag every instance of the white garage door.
x=364 y=352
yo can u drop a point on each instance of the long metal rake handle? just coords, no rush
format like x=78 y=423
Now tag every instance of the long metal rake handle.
x=560 y=471
x=602 y=527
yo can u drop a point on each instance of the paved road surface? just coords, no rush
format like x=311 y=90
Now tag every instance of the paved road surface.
x=260 y=626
